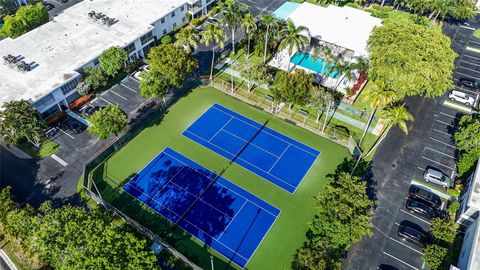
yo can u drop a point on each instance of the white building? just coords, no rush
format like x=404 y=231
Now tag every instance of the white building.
x=469 y=258
x=470 y=199
x=59 y=50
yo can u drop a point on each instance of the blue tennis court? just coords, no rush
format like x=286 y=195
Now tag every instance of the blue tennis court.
x=264 y=151
x=219 y=213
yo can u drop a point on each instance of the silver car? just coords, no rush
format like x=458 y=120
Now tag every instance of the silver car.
x=437 y=177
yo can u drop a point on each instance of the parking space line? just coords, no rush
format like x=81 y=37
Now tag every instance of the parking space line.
x=449 y=115
x=440 y=152
x=441 y=132
x=421 y=169
x=445 y=123
x=466 y=90
x=66 y=133
x=407 y=264
x=410 y=214
x=105 y=100
x=444 y=143
x=403 y=244
x=471 y=56
x=133 y=78
x=118 y=94
x=471 y=41
x=436 y=162
x=467 y=27
x=470 y=76
x=129 y=88
x=470 y=63
x=472 y=70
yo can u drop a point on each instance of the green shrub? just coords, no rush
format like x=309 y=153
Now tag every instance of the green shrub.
x=354 y=5
x=188 y=17
x=381 y=8
x=195 y=22
x=167 y=39
x=213 y=11
x=477 y=33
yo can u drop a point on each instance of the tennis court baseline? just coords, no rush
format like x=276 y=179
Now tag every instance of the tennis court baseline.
x=264 y=151
x=219 y=213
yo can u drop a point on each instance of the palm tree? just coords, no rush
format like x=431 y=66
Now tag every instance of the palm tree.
x=293 y=37
x=187 y=39
x=360 y=64
x=269 y=21
x=343 y=68
x=214 y=35
x=249 y=26
x=397 y=115
x=378 y=95
x=231 y=14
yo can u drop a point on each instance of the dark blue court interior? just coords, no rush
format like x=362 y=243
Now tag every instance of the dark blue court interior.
x=219 y=213
x=266 y=152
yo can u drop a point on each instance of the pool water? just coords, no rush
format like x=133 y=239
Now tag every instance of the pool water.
x=314 y=64
x=285 y=10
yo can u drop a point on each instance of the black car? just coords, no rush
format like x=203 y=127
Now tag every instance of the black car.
x=73 y=126
x=428 y=197
x=422 y=209
x=468 y=83
x=414 y=235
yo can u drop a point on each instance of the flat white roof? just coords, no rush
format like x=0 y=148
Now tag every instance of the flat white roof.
x=344 y=26
x=72 y=40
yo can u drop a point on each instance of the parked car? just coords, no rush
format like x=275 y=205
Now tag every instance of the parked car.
x=137 y=74
x=211 y=20
x=422 y=209
x=90 y=110
x=468 y=83
x=73 y=126
x=48 y=6
x=461 y=97
x=437 y=177
x=409 y=233
x=426 y=196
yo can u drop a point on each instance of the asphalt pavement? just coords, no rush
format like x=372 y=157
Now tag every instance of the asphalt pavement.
x=402 y=158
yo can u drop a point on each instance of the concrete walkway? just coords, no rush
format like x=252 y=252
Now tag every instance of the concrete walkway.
x=337 y=115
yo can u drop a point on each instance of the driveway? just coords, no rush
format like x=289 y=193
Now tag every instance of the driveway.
x=29 y=177
x=402 y=158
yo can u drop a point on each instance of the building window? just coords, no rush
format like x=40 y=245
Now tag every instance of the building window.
x=164 y=31
x=72 y=97
x=183 y=19
x=45 y=102
x=162 y=20
x=146 y=38
x=50 y=111
x=130 y=48
x=70 y=86
x=182 y=8
x=173 y=14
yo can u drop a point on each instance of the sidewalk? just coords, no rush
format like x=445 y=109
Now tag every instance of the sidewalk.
x=337 y=115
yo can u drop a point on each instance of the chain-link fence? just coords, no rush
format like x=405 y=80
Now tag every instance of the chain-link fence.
x=299 y=118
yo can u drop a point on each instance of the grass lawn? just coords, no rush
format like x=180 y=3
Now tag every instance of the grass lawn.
x=286 y=234
x=47 y=148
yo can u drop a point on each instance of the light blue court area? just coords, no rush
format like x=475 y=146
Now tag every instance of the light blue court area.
x=307 y=61
x=265 y=152
x=285 y=10
x=217 y=212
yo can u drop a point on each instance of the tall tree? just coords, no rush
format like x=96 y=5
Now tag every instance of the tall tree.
x=171 y=62
x=377 y=95
x=293 y=88
x=231 y=14
x=213 y=35
x=396 y=115
x=254 y=74
x=153 y=84
x=113 y=60
x=26 y=18
x=108 y=121
x=249 y=26
x=269 y=21
x=293 y=38
x=95 y=78
x=414 y=60
x=467 y=141
x=187 y=39
x=434 y=255
x=19 y=120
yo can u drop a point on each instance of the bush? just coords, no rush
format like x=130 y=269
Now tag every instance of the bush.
x=434 y=256
x=167 y=39
x=213 y=11
x=83 y=88
x=354 y=5
x=188 y=17
x=48 y=148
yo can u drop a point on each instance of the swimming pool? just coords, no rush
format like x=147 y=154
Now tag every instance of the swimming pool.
x=307 y=61
x=285 y=10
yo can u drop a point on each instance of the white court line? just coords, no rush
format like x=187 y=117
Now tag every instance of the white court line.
x=444 y=143
x=436 y=162
x=61 y=130
x=288 y=146
x=393 y=257
x=59 y=160
x=439 y=131
x=412 y=215
x=118 y=94
x=441 y=153
x=445 y=123
x=407 y=246
x=220 y=129
x=129 y=88
x=231 y=219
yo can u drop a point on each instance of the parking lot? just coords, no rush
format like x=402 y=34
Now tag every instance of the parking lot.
x=402 y=159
